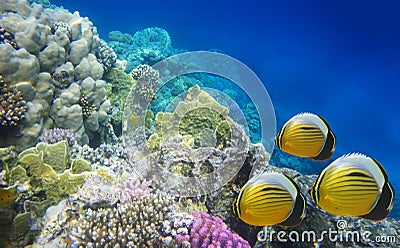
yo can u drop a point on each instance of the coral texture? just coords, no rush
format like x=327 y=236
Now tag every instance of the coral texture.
x=12 y=105
x=58 y=61
x=199 y=229
x=6 y=37
x=147 y=80
x=147 y=46
x=133 y=224
x=56 y=135
x=47 y=168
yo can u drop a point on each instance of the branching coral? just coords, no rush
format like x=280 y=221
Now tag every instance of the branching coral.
x=133 y=188
x=134 y=224
x=12 y=105
x=199 y=229
x=58 y=134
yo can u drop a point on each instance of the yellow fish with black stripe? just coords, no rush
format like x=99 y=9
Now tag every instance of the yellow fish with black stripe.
x=354 y=185
x=270 y=199
x=307 y=135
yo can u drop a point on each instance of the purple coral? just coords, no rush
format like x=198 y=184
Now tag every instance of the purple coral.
x=211 y=231
x=199 y=229
x=57 y=134
x=133 y=188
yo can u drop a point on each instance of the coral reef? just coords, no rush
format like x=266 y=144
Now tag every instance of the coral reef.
x=48 y=169
x=105 y=55
x=197 y=113
x=147 y=80
x=147 y=46
x=6 y=37
x=118 y=86
x=12 y=105
x=57 y=61
x=96 y=191
x=133 y=188
x=133 y=224
x=199 y=229
x=111 y=157
x=56 y=135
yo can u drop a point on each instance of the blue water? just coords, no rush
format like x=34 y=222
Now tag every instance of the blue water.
x=340 y=59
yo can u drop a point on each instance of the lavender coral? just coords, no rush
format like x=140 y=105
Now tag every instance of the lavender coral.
x=133 y=188
x=56 y=135
x=199 y=229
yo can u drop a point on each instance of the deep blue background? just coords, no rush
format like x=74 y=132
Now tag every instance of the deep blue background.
x=340 y=59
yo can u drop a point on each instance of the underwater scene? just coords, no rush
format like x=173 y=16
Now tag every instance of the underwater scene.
x=199 y=124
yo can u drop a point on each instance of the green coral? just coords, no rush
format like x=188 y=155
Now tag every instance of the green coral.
x=199 y=118
x=118 y=87
x=7 y=197
x=149 y=118
x=47 y=168
x=80 y=165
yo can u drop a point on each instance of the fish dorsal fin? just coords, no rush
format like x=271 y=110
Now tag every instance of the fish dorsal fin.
x=275 y=178
x=312 y=119
x=365 y=163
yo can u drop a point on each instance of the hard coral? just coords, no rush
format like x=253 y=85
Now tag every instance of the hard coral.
x=12 y=105
x=7 y=37
x=56 y=135
x=105 y=55
x=133 y=188
x=147 y=79
x=87 y=108
x=199 y=229
x=61 y=27
x=135 y=224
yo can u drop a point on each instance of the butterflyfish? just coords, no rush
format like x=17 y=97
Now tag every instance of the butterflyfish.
x=269 y=199
x=354 y=185
x=307 y=135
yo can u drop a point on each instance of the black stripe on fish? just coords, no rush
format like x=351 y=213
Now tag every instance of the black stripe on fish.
x=328 y=148
x=385 y=203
